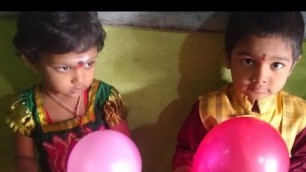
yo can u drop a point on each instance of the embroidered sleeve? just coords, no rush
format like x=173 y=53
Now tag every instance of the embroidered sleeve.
x=114 y=108
x=20 y=118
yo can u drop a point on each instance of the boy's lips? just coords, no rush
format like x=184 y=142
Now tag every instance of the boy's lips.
x=259 y=90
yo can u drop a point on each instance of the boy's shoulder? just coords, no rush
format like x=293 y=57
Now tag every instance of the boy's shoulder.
x=219 y=92
x=292 y=98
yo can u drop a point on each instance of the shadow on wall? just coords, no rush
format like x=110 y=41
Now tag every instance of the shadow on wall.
x=14 y=76
x=6 y=148
x=200 y=67
x=12 y=69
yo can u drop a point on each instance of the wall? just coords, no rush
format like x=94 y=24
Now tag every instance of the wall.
x=171 y=20
x=159 y=73
x=187 y=21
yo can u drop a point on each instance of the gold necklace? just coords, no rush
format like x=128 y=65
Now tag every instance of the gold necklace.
x=64 y=105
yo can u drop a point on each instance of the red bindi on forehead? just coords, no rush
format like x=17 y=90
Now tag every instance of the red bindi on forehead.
x=79 y=65
x=262 y=57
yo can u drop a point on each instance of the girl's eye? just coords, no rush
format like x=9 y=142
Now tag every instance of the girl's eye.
x=247 y=61
x=89 y=64
x=63 y=68
x=277 y=65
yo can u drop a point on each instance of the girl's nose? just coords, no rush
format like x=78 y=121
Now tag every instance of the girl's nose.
x=78 y=76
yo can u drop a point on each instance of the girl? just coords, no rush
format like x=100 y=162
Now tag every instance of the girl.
x=69 y=102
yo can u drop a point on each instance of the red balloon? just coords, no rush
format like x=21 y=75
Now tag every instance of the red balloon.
x=243 y=144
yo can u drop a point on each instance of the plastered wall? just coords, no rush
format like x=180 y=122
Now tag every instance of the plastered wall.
x=160 y=73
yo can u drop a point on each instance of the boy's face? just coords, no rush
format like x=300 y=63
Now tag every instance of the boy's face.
x=260 y=66
x=68 y=74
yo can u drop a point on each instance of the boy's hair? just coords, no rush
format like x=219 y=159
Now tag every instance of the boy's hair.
x=57 y=33
x=288 y=25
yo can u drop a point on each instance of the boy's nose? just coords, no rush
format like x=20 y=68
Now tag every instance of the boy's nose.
x=260 y=75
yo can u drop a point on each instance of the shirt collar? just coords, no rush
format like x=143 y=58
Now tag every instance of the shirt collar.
x=266 y=105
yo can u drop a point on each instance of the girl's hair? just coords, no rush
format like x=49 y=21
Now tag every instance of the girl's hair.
x=57 y=33
x=288 y=25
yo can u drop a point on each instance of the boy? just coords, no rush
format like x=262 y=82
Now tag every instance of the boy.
x=262 y=49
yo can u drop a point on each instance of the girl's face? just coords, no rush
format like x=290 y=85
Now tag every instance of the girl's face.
x=260 y=66
x=68 y=74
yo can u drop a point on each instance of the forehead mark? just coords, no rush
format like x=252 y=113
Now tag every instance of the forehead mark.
x=80 y=64
x=81 y=61
x=262 y=57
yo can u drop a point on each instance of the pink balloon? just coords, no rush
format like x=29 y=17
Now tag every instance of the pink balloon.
x=243 y=144
x=105 y=151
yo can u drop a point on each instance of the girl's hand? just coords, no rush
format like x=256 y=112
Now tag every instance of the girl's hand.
x=183 y=169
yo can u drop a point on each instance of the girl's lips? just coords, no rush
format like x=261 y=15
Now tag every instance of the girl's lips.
x=77 y=90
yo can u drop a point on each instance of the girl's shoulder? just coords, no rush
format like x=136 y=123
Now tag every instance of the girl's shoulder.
x=112 y=103
x=19 y=116
x=104 y=91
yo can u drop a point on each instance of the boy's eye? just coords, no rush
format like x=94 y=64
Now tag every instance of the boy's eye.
x=277 y=65
x=63 y=68
x=247 y=61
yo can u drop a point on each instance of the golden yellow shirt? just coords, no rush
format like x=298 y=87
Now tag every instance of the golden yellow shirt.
x=285 y=112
